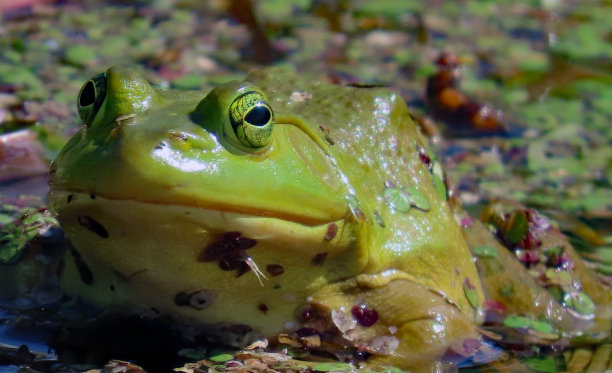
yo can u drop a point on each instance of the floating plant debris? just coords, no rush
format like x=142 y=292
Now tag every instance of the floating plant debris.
x=558 y=277
x=470 y=292
x=417 y=199
x=397 y=199
x=517 y=227
x=521 y=322
x=230 y=252
x=438 y=180
x=485 y=251
x=581 y=303
x=221 y=358
x=330 y=367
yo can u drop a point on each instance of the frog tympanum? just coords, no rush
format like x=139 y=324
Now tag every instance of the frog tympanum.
x=278 y=202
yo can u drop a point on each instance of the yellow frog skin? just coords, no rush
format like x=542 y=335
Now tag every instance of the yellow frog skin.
x=277 y=202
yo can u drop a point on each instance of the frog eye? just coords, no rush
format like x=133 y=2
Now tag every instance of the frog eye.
x=91 y=97
x=252 y=119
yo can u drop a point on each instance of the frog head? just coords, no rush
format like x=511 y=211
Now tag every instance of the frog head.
x=173 y=195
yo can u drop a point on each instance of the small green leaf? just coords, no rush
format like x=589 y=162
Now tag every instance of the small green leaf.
x=558 y=277
x=542 y=326
x=517 y=322
x=519 y=226
x=397 y=199
x=329 y=367
x=439 y=187
x=417 y=199
x=221 y=358
x=470 y=292
x=438 y=180
x=581 y=303
x=486 y=251
x=79 y=54
x=545 y=364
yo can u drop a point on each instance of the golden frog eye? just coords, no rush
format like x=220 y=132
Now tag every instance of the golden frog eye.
x=252 y=119
x=91 y=97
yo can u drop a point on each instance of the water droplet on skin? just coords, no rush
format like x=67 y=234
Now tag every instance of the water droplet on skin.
x=354 y=207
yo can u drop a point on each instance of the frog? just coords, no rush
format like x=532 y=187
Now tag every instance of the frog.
x=280 y=203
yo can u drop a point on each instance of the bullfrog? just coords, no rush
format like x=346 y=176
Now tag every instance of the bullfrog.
x=278 y=202
x=271 y=207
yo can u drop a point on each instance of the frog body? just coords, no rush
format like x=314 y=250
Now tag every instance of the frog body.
x=259 y=200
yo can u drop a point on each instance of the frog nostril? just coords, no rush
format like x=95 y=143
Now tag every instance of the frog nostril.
x=88 y=95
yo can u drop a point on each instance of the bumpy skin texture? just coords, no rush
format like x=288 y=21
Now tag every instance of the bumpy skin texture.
x=156 y=178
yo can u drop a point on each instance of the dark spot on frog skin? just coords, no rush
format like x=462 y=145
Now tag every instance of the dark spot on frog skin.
x=178 y=136
x=92 y=225
x=199 y=299
x=379 y=219
x=112 y=288
x=328 y=138
x=84 y=271
x=230 y=251
x=69 y=198
x=332 y=230
x=424 y=157
x=92 y=196
x=263 y=308
x=160 y=146
x=365 y=316
x=275 y=269
x=318 y=259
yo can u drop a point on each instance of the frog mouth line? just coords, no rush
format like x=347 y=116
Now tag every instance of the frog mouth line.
x=65 y=199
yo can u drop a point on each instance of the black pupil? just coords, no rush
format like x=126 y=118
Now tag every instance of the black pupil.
x=88 y=96
x=258 y=116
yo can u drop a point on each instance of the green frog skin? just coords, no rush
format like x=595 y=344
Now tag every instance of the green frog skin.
x=277 y=202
